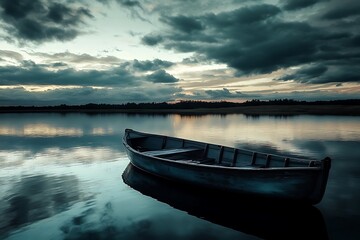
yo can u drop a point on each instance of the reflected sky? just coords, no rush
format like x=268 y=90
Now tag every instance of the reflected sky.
x=62 y=172
x=38 y=197
x=284 y=134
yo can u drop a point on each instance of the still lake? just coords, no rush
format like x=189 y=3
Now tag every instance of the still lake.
x=61 y=177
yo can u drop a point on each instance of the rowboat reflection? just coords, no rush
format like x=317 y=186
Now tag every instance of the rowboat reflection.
x=264 y=219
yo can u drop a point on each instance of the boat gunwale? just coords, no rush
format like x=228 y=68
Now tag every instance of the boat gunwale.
x=218 y=166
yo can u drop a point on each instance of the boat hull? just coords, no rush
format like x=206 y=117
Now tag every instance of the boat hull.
x=304 y=185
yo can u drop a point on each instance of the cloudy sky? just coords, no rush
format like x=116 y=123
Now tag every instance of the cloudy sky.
x=117 y=51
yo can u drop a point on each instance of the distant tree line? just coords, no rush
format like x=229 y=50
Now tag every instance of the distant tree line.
x=179 y=105
x=256 y=102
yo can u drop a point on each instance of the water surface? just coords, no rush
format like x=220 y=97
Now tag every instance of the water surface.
x=61 y=177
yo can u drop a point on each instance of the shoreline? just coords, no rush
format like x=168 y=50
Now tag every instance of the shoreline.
x=276 y=110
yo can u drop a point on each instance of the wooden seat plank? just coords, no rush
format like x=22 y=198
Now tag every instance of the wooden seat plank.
x=170 y=151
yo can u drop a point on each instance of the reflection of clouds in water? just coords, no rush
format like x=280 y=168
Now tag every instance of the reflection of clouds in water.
x=35 y=144
x=344 y=178
x=47 y=130
x=56 y=156
x=40 y=130
x=92 y=224
x=37 y=197
x=267 y=131
x=62 y=150
x=307 y=148
x=106 y=223
x=30 y=151
x=343 y=185
x=269 y=148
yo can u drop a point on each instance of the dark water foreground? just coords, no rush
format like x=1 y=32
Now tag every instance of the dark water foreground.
x=262 y=218
x=67 y=177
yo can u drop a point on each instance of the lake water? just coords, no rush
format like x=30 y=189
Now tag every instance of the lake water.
x=66 y=176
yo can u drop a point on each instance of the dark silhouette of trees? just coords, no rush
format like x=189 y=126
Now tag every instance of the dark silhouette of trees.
x=188 y=104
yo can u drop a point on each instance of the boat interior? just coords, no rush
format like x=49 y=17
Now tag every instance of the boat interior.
x=183 y=150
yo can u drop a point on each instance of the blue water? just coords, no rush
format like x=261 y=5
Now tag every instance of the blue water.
x=62 y=177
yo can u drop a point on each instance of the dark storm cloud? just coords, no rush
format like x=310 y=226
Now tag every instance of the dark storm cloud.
x=183 y=23
x=152 y=40
x=342 y=11
x=223 y=94
x=77 y=58
x=132 y=5
x=119 y=74
x=42 y=20
x=148 y=65
x=135 y=7
x=84 y=95
x=339 y=72
x=123 y=82
x=260 y=39
x=316 y=95
x=306 y=73
x=216 y=95
x=245 y=39
x=30 y=73
x=161 y=76
x=129 y=3
x=299 y=4
x=59 y=64
x=193 y=7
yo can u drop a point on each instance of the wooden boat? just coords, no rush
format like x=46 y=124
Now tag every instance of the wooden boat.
x=263 y=219
x=228 y=169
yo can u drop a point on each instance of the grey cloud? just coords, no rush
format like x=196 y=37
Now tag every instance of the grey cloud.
x=339 y=74
x=223 y=94
x=259 y=39
x=243 y=16
x=42 y=20
x=20 y=9
x=77 y=58
x=82 y=95
x=148 y=65
x=120 y=73
x=306 y=73
x=66 y=16
x=104 y=1
x=316 y=95
x=11 y=54
x=129 y=3
x=324 y=74
x=343 y=11
x=59 y=64
x=32 y=74
x=119 y=84
x=305 y=95
x=134 y=6
x=152 y=40
x=246 y=39
x=219 y=94
x=161 y=76
x=299 y=4
x=192 y=7
x=183 y=23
